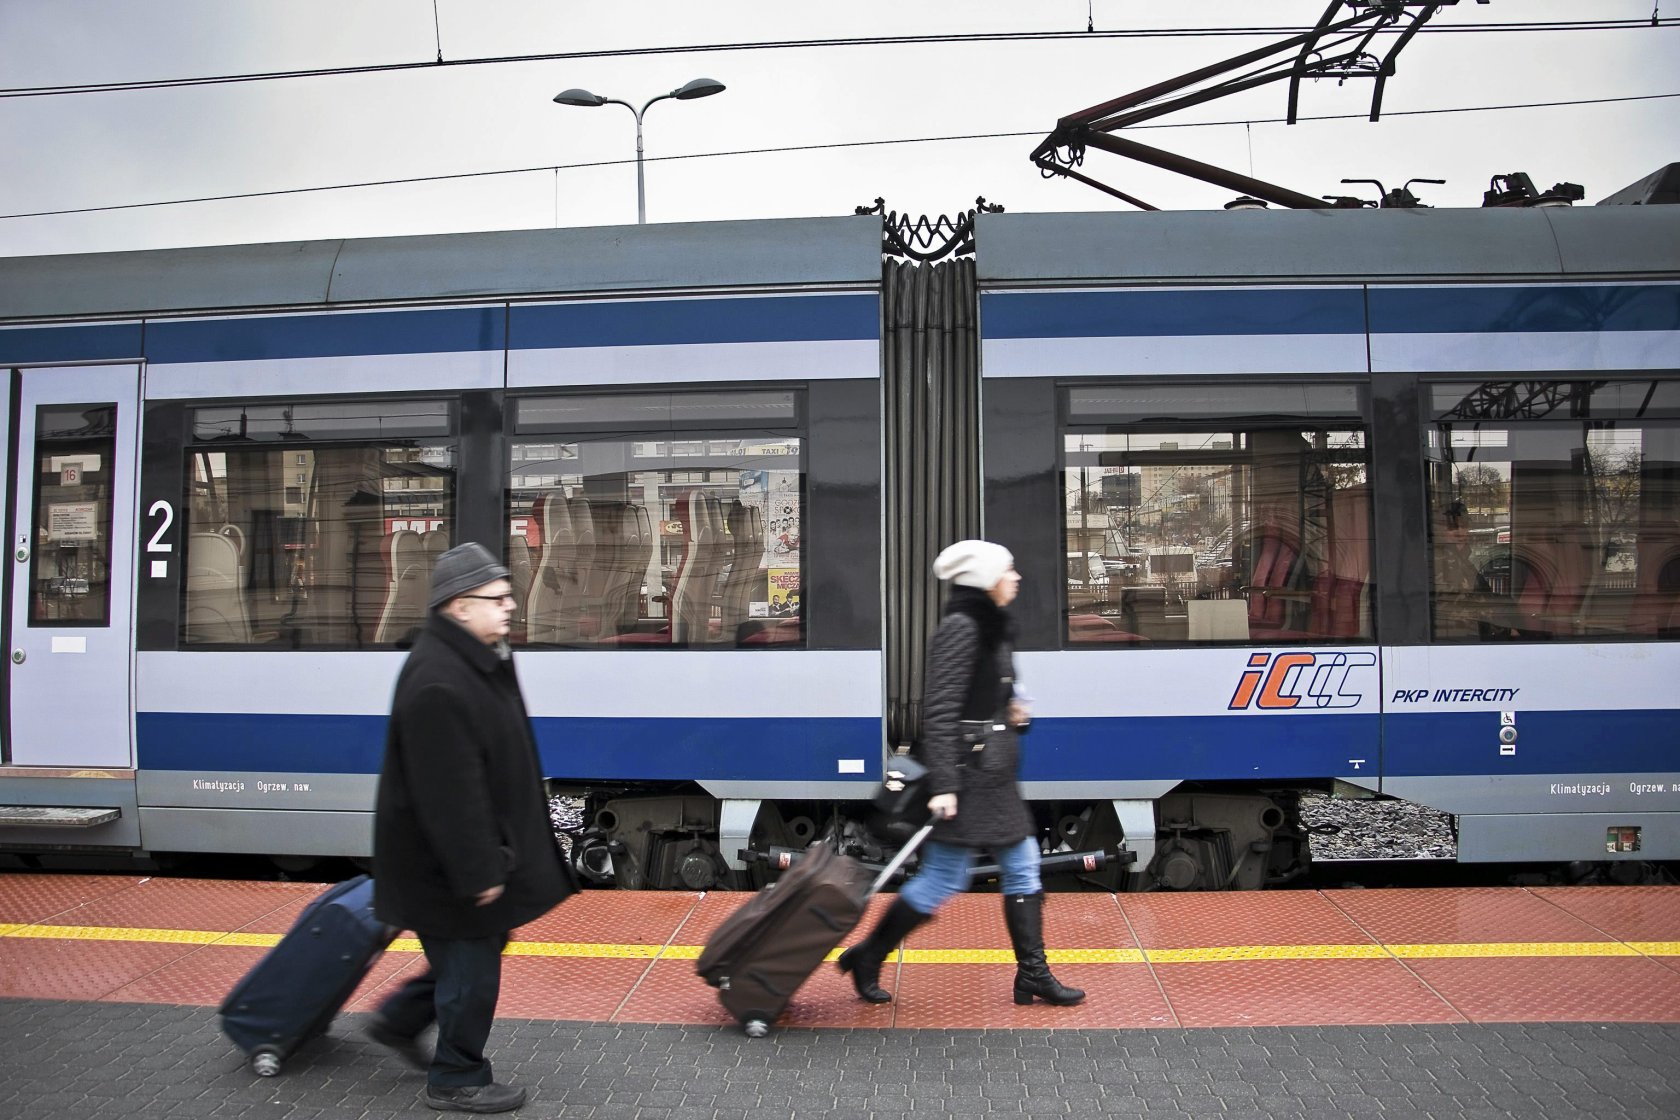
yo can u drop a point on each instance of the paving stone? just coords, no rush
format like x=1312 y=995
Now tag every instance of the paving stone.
x=137 y=1061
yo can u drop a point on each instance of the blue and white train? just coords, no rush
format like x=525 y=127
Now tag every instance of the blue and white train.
x=1378 y=503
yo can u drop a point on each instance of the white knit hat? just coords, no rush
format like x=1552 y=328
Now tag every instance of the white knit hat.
x=973 y=564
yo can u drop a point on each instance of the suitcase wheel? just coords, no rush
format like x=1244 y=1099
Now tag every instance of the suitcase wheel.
x=756 y=1028
x=265 y=1061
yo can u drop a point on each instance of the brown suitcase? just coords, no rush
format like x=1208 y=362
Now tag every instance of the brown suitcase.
x=764 y=951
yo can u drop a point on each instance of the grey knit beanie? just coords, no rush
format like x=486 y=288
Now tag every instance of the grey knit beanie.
x=461 y=569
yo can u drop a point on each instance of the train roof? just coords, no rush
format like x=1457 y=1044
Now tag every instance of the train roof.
x=1163 y=247
x=770 y=253
x=1261 y=246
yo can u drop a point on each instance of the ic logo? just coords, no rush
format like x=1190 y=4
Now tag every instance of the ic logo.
x=1299 y=680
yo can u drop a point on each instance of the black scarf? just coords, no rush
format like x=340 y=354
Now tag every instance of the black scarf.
x=986 y=693
x=996 y=625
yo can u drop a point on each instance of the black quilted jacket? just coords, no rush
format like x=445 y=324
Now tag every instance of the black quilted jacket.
x=971 y=676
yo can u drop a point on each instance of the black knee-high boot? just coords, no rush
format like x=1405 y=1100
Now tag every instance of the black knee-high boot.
x=864 y=959
x=1024 y=915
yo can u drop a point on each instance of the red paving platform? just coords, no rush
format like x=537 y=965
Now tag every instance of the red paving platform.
x=1284 y=958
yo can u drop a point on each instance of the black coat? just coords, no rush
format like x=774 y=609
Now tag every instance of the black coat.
x=461 y=806
x=971 y=676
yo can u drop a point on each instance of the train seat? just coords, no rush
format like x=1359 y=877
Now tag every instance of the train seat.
x=215 y=610
x=745 y=575
x=770 y=632
x=697 y=579
x=408 y=578
x=434 y=543
x=583 y=607
x=1275 y=580
x=519 y=574
x=1096 y=628
x=235 y=534
x=642 y=566
x=623 y=559
x=552 y=577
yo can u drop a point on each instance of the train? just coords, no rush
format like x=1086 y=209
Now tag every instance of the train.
x=1376 y=503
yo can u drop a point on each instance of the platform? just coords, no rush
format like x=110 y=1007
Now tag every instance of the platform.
x=1216 y=1004
x=1276 y=958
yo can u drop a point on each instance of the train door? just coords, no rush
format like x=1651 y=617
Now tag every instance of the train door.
x=5 y=627
x=73 y=560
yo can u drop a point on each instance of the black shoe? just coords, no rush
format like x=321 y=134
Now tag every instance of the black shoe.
x=493 y=1097
x=1024 y=915
x=866 y=973
x=403 y=1046
x=864 y=959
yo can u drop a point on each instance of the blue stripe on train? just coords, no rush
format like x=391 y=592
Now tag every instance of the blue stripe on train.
x=1534 y=308
x=1132 y=314
x=690 y=321
x=1265 y=746
x=439 y=331
x=1642 y=741
x=105 y=342
x=1526 y=310
x=1068 y=749
x=457 y=330
x=784 y=749
x=1232 y=748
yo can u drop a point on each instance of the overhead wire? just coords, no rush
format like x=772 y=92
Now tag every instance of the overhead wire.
x=802 y=44
x=556 y=168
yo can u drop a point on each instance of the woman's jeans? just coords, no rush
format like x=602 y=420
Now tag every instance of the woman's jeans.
x=944 y=872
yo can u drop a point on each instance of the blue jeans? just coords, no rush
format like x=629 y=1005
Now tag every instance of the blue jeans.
x=458 y=991
x=944 y=872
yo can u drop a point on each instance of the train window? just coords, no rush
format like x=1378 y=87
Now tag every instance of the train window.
x=1231 y=400
x=331 y=420
x=1244 y=518
x=315 y=526
x=685 y=532
x=657 y=411
x=69 y=574
x=1555 y=510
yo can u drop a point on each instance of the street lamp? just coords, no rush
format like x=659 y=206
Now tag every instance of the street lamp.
x=583 y=99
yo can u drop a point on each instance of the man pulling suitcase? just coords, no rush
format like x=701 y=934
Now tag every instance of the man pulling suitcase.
x=463 y=850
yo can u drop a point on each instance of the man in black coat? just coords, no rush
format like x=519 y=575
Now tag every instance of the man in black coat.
x=463 y=851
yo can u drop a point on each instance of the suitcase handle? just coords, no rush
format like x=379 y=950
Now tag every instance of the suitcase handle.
x=898 y=860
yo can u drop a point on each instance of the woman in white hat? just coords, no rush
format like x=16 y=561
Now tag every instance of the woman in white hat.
x=971 y=744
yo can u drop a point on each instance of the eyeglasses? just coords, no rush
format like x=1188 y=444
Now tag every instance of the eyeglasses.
x=504 y=597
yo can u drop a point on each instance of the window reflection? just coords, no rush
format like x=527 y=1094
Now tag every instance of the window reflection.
x=1218 y=532
x=656 y=539
x=69 y=563
x=1554 y=511
x=299 y=544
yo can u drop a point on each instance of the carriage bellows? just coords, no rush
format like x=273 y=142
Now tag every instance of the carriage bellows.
x=461 y=569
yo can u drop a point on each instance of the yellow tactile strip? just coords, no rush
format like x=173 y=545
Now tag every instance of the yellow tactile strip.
x=596 y=950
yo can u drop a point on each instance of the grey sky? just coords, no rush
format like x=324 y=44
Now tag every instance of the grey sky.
x=105 y=149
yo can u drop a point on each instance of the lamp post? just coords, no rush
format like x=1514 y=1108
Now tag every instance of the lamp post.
x=582 y=98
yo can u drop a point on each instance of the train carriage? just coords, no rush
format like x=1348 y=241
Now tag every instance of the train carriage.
x=1322 y=408
x=1380 y=503
x=228 y=498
